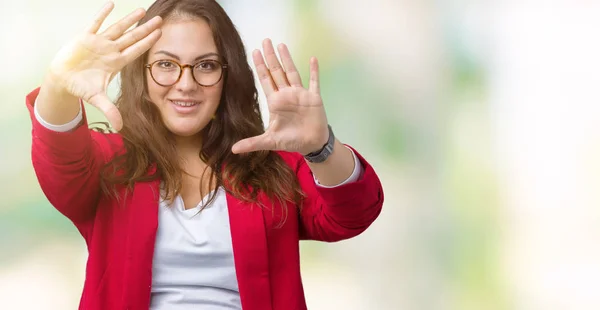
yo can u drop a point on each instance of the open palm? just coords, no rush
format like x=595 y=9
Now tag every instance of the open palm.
x=86 y=65
x=297 y=120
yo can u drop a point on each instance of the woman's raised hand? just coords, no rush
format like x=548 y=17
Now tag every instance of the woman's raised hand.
x=297 y=120
x=85 y=66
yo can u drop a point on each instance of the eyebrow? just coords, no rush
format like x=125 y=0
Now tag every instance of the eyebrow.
x=177 y=57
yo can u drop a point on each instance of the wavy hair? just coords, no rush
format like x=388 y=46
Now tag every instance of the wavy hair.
x=148 y=142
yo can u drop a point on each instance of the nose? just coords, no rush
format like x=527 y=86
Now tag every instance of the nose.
x=186 y=82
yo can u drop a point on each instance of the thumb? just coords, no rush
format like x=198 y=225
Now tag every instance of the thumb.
x=256 y=143
x=103 y=103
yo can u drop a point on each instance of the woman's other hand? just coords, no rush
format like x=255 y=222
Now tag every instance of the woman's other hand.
x=85 y=66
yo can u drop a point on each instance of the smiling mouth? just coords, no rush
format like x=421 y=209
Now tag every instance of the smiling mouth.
x=185 y=103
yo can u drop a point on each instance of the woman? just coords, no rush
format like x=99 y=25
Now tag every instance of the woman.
x=193 y=205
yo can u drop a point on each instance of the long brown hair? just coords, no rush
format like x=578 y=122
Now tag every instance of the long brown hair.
x=148 y=142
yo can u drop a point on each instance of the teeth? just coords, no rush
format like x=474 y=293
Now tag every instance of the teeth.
x=184 y=104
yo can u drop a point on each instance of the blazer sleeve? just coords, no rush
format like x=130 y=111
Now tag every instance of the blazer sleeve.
x=67 y=166
x=341 y=212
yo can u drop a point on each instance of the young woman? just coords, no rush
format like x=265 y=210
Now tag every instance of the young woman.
x=192 y=204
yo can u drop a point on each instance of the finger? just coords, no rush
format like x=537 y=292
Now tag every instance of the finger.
x=256 y=143
x=264 y=75
x=313 y=85
x=140 y=47
x=139 y=33
x=103 y=103
x=288 y=64
x=100 y=17
x=275 y=68
x=117 y=29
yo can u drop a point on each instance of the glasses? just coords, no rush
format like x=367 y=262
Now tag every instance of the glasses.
x=168 y=72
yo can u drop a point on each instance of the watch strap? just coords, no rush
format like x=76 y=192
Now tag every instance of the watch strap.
x=322 y=154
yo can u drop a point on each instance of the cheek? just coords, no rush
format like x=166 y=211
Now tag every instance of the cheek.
x=155 y=92
x=215 y=93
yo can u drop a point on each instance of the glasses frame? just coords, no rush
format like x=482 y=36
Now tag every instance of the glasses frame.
x=182 y=68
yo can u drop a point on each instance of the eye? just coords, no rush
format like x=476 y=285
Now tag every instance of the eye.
x=207 y=66
x=166 y=64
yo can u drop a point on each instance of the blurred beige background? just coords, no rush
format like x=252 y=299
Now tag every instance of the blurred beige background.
x=481 y=118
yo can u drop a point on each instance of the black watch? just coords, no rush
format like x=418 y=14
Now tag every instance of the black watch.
x=322 y=154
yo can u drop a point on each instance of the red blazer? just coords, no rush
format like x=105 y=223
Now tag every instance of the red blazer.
x=120 y=237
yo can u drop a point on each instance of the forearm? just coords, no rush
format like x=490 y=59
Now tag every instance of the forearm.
x=55 y=105
x=67 y=165
x=340 y=212
x=337 y=168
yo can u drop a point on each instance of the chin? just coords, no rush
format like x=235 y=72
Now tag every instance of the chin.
x=184 y=130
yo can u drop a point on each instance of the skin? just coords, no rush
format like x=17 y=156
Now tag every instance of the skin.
x=186 y=42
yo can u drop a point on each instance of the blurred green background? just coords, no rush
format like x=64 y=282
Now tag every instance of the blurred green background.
x=480 y=117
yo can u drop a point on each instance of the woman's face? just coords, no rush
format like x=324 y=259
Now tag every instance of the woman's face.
x=185 y=107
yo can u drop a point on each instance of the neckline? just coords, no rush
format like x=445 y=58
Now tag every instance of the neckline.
x=179 y=206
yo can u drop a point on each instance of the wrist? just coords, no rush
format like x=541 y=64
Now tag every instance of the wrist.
x=55 y=104
x=325 y=151
x=322 y=142
x=51 y=86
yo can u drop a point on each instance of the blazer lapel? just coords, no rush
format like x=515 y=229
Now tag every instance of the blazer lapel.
x=142 y=227
x=250 y=253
